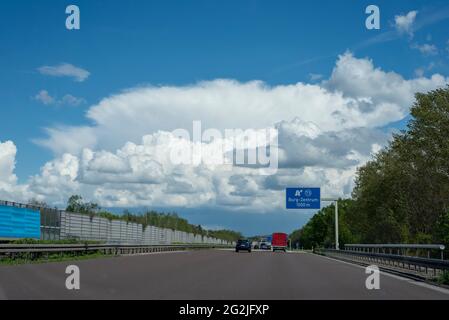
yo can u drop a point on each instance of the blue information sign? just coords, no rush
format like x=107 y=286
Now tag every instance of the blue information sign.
x=19 y=223
x=303 y=198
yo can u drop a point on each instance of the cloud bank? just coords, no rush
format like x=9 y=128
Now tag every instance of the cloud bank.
x=325 y=131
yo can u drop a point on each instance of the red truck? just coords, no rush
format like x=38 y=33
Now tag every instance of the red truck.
x=279 y=241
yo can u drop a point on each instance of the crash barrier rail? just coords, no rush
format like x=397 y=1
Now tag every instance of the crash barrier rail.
x=34 y=251
x=418 y=266
x=399 y=249
x=60 y=225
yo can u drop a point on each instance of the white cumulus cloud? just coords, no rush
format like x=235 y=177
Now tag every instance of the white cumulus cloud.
x=8 y=152
x=125 y=157
x=356 y=95
x=9 y=188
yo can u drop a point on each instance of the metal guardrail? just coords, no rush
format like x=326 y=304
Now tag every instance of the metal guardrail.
x=401 y=249
x=398 y=246
x=423 y=267
x=35 y=250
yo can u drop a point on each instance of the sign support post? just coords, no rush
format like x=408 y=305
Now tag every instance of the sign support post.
x=337 y=243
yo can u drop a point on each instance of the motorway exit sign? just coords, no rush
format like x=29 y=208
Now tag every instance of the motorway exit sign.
x=303 y=198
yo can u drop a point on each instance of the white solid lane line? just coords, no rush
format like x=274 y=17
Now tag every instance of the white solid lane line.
x=410 y=281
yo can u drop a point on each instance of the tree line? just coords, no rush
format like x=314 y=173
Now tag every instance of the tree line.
x=402 y=194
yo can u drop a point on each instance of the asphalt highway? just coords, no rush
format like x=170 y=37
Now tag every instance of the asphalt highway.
x=208 y=274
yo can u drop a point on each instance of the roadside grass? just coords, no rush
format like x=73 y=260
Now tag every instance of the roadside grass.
x=54 y=257
x=33 y=258
x=444 y=278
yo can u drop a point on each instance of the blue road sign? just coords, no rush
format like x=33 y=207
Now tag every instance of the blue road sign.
x=303 y=198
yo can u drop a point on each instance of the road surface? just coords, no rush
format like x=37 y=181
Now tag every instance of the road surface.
x=208 y=274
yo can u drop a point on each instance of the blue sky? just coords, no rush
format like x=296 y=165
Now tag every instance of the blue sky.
x=124 y=45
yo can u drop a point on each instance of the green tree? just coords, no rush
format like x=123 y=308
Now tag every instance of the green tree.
x=76 y=204
x=402 y=194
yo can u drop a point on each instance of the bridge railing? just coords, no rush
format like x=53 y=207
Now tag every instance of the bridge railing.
x=395 y=259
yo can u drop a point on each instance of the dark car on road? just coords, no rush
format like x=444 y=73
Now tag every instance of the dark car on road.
x=243 y=245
